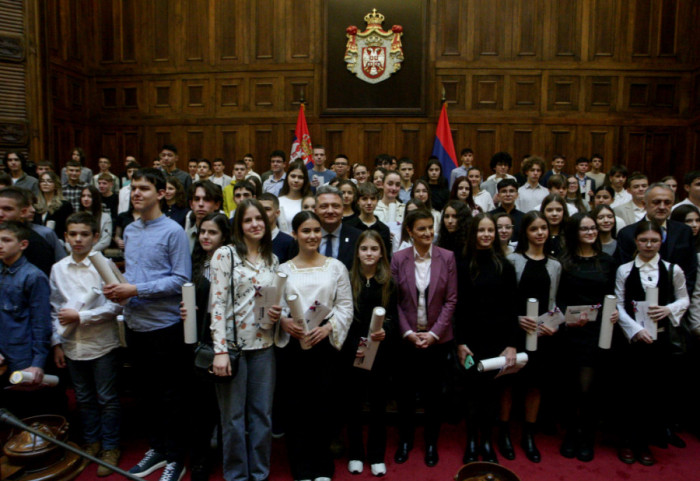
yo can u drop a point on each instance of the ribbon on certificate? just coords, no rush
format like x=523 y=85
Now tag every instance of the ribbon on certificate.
x=315 y=304
x=596 y=306
x=554 y=311
x=634 y=306
x=363 y=342
x=257 y=291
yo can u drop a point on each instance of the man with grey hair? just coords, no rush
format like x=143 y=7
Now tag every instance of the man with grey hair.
x=338 y=239
x=677 y=247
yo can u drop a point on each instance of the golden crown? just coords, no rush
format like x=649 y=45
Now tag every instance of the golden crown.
x=374 y=18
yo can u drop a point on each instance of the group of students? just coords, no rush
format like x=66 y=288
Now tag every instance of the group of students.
x=454 y=282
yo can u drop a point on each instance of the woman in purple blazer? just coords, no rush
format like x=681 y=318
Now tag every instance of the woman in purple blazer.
x=426 y=277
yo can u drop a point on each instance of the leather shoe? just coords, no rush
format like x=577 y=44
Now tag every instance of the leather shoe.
x=585 y=451
x=645 y=457
x=431 y=455
x=505 y=445
x=401 y=455
x=487 y=453
x=471 y=454
x=626 y=455
x=528 y=445
x=674 y=439
x=569 y=444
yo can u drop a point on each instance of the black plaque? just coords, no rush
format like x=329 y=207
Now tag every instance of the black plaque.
x=403 y=93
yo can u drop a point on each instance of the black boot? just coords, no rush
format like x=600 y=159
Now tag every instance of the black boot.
x=505 y=446
x=488 y=454
x=584 y=452
x=528 y=443
x=570 y=443
x=471 y=454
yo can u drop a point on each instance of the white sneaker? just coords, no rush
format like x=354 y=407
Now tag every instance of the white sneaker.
x=378 y=469
x=355 y=466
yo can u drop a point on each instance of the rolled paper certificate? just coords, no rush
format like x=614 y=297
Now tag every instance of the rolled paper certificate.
x=606 y=327
x=533 y=306
x=51 y=224
x=378 y=315
x=652 y=298
x=297 y=312
x=103 y=267
x=391 y=214
x=117 y=273
x=190 y=326
x=25 y=377
x=498 y=362
x=122 y=330
x=280 y=282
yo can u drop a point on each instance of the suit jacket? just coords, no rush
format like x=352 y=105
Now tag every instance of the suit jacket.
x=281 y=246
x=346 y=249
x=442 y=291
x=677 y=249
x=626 y=213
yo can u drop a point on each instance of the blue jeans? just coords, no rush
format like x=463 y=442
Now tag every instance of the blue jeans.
x=246 y=406
x=95 y=384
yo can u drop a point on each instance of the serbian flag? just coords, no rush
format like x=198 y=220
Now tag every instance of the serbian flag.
x=444 y=147
x=301 y=144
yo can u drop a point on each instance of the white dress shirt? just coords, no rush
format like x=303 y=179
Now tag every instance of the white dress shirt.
x=649 y=275
x=529 y=198
x=96 y=334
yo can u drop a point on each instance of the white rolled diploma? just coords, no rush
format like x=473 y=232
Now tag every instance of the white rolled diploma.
x=498 y=362
x=297 y=312
x=652 y=298
x=606 y=327
x=122 y=330
x=279 y=284
x=103 y=267
x=378 y=316
x=25 y=377
x=190 y=325
x=51 y=224
x=117 y=273
x=532 y=309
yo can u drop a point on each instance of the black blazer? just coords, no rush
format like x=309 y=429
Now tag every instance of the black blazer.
x=346 y=249
x=678 y=249
x=282 y=246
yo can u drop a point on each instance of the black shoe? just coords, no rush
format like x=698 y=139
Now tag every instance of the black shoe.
x=505 y=445
x=431 y=455
x=487 y=453
x=199 y=472
x=569 y=445
x=471 y=454
x=673 y=439
x=528 y=444
x=585 y=449
x=401 y=455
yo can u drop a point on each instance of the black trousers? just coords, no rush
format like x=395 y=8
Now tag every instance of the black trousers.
x=159 y=357
x=421 y=372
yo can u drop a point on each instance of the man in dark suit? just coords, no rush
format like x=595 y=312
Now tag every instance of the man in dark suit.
x=338 y=239
x=281 y=243
x=677 y=246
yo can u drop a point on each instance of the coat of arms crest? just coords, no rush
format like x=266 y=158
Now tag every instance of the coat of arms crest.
x=375 y=54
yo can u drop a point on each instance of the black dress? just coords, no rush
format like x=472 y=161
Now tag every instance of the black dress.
x=59 y=216
x=371 y=385
x=439 y=195
x=586 y=282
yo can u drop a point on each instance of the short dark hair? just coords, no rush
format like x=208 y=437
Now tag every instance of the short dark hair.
x=217 y=159
x=507 y=183
x=206 y=161
x=404 y=160
x=18 y=194
x=271 y=198
x=636 y=176
x=212 y=191
x=169 y=147
x=690 y=177
x=416 y=215
x=530 y=161
x=83 y=217
x=618 y=169
x=5 y=179
x=466 y=150
x=240 y=162
x=582 y=160
x=245 y=184
x=501 y=158
x=73 y=163
x=368 y=189
x=596 y=156
x=278 y=153
x=154 y=176
x=133 y=165
x=18 y=228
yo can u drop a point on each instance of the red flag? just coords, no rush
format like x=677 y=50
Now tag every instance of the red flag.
x=301 y=144
x=444 y=147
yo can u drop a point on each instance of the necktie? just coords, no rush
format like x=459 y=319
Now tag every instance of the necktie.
x=329 y=245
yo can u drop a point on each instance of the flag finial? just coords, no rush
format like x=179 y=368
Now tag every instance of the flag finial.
x=444 y=98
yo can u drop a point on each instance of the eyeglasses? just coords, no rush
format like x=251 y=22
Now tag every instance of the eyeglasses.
x=588 y=229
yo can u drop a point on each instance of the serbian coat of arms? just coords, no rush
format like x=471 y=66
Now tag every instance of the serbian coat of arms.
x=375 y=54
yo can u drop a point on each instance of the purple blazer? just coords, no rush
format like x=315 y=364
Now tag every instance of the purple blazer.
x=442 y=291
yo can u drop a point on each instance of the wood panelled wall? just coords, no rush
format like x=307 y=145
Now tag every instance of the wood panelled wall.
x=220 y=78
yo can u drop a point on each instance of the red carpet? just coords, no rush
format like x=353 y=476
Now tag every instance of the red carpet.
x=673 y=463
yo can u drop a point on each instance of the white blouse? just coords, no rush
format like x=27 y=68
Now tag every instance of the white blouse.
x=248 y=278
x=649 y=275
x=288 y=209
x=328 y=284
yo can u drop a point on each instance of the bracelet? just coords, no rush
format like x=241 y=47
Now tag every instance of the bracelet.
x=217 y=353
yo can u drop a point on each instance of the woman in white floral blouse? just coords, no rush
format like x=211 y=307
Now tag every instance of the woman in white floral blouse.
x=245 y=402
x=308 y=375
